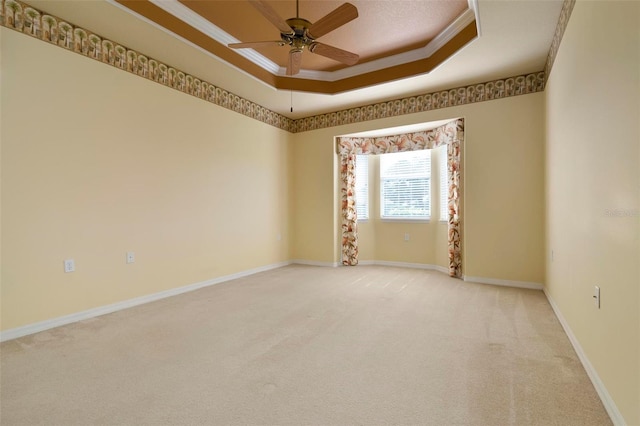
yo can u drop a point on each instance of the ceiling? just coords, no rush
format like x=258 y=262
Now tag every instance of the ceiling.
x=393 y=39
x=406 y=47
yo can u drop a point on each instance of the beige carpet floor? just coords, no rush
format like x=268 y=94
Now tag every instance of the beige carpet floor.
x=304 y=345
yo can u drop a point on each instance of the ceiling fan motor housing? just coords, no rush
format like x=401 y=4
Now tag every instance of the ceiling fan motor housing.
x=298 y=33
x=300 y=38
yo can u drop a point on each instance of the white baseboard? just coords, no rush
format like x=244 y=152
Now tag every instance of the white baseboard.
x=103 y=310
x=25 y=330
x=405 y=265
x=607 y=401
x=314 y=263
x=505 y=283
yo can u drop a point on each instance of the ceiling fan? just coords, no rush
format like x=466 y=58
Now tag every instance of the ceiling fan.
x=300 y=34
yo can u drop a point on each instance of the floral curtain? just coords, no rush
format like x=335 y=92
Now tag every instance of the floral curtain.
x=450 y=134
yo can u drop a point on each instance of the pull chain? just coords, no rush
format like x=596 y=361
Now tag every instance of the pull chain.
x=291 y=91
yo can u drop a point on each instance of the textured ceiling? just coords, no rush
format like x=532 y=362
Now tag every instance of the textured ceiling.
x=382 y=28
x=393 y=39
x=514 y=38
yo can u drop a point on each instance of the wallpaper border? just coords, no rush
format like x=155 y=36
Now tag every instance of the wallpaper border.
x=21 y=17
x=563 y=21
x=463 y=95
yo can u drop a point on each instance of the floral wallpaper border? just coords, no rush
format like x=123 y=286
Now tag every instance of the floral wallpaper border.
x=563 y=20
x=19 y=16
x=496 y=89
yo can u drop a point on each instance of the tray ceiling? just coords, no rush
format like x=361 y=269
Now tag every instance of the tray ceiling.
x=393 y=39
x=514 y=39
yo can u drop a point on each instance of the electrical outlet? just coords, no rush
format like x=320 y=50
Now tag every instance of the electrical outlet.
x=131 y=257
x=596 y=296
x=552 y=255
x=69 y=265
x=406 y=237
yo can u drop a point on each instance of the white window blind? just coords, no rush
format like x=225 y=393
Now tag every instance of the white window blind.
x=362 y=186
x=444 y=183
x=405 y=185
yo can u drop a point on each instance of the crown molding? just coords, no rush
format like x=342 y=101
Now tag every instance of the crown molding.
x=188 y=16
x=425 y=52
x=191 y=85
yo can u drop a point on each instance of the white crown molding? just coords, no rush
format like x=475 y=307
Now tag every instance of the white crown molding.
x=188 y=16
x=603 y=393
x=14 y=333
x=473 y=5
x=450 y=32
x=185 y=41
x=191 y=18
x=402 y=58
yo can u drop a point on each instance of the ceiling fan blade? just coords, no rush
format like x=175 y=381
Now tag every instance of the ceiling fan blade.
x=295 y=59
x=253 y=44
x=334 y=53
x=273 y=17
x=340 y=16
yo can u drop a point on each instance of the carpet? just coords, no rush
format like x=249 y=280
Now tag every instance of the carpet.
x=305 y=345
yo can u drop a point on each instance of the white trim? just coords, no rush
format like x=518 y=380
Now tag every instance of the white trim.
x=399 y=59
x=473 y=5
x=478 y=280
x=188 y=16
x=405 y=265
x=607 y=401
x=187 y=42
x=314 y=263
x=25 y=330
x=450 y=32
x=196 y=21
x=505 y=283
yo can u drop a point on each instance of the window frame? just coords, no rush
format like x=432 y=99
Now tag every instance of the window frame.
x=361 y=160
x=382 y=177
x=443 y=187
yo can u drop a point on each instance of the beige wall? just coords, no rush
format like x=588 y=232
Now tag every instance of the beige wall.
x=315 y=198
x=380 y=240
x=97 y=162
x=503 y=219
x=592 y=157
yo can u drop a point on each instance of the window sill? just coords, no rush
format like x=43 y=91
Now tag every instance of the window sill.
x=405 y=220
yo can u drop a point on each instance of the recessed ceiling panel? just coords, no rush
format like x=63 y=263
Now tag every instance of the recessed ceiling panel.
x=382 y=29
x=394 y=39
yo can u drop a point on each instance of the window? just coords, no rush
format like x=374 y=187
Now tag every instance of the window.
x=362 y=186
x=444 y=183
x=405 y=185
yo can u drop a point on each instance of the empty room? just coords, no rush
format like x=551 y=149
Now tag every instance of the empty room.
x=299 y=212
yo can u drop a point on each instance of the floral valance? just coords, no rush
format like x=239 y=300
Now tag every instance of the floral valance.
x=426 y=139
x=450 y=135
